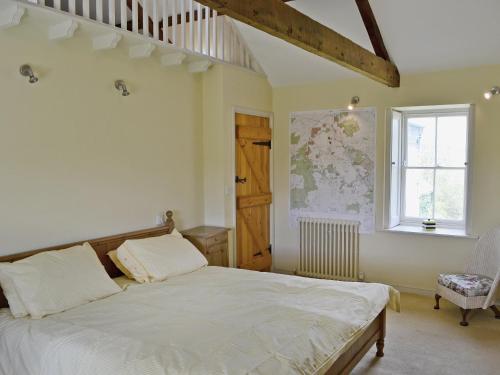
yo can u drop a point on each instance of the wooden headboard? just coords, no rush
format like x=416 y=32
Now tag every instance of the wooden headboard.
x=101 y=246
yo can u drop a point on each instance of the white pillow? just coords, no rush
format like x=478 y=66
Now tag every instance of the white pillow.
x=54 y=281
x=134 y=267
x=114 y=258
x=164 y=256
x=175 y=233
x=16 y=305
x=125 y=259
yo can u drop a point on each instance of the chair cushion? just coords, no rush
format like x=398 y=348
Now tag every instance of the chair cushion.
x=466 y=284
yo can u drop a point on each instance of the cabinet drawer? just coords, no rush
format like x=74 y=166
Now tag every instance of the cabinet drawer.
x=212 y=242
x=220 y=238
x=217 y=248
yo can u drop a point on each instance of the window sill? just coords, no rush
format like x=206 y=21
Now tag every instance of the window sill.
x=439 y=232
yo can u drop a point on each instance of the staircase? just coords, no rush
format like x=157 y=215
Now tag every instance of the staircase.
x=184 y=31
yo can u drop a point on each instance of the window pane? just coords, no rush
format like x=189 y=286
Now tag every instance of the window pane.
x=451 y=141
x=418 y=195
x=421 y=136
x=450 y=194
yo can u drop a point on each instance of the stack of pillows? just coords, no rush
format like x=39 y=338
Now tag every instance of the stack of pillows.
x=54 y=281
x=157 y=258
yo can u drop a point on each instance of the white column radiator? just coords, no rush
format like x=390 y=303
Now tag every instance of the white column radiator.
x=329 y=249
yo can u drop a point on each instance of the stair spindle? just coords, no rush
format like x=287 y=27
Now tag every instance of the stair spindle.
x=165 y=20
x=200 y=31
x=98 y=10
x=156 y=25
x=111 y=13
x=191 y=25
x=72 y=6
x=135 y=16
x=145 y=18
x=174 y=22
x=214 y=33
x=123 y=14
x=207 y=30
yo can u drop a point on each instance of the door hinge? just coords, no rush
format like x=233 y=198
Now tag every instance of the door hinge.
x=269 y=248
x=263 y=143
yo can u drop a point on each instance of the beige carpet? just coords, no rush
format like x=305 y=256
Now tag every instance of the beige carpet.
x=422 y=341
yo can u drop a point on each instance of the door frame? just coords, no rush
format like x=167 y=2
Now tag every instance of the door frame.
x=270 y=116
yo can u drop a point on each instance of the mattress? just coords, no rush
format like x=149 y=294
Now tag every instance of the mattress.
x=212 y=321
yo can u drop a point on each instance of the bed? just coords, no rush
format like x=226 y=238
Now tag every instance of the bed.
x=211 y=321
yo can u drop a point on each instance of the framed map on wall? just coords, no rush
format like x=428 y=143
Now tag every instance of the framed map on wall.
x=332 y=165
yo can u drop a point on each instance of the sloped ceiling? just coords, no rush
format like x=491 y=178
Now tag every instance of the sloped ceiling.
x=421 y=36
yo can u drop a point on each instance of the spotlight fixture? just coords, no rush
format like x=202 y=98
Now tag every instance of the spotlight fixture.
x=26 y=71
x=120 y=86
x=354 y=102
x=492 y=92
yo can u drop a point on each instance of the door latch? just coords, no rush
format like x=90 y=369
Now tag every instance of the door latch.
x=240 y=180
x=263 y=143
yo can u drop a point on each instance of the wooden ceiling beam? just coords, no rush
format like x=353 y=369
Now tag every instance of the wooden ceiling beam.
x=372 y=28
x=282 y=21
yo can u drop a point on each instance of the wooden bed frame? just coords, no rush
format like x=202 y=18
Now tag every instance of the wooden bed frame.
x=102 y=247
x=373 y=334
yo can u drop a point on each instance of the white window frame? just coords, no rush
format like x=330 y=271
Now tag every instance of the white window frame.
x=396 y=164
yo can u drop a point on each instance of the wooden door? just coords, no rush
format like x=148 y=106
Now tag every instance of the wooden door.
x=253 y=192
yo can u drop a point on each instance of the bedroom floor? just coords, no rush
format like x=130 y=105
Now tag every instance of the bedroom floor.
x=423 y=341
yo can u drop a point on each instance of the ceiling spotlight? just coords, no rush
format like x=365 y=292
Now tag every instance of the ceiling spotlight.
x=26 y=71
x=120 y=86
x=492 y=92
x=354 y=102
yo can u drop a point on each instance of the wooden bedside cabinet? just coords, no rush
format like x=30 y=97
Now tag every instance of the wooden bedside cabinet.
x=212 y=242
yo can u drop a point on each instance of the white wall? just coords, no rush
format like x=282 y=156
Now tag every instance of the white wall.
x=77 y=160
x=400 y=259
x=225 y=89
x=214 y=151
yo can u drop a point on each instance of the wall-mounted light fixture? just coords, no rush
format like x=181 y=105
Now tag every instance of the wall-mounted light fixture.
x=353 y=103
x=26 y=71
x=492 y=92
x=120 y=86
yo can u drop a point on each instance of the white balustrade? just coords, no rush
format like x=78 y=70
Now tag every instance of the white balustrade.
x=184 y=24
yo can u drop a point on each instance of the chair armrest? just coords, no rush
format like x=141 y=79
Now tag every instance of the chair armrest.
x=490 y=299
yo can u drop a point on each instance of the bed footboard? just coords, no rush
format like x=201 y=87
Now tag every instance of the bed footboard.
x=374 y=334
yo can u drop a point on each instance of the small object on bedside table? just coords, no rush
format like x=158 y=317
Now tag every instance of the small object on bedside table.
x=212 y=243
x=429 y=224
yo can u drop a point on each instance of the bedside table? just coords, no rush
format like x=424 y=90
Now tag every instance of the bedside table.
x=212 y=243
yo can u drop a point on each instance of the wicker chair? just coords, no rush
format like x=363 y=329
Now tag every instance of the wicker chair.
x=476 y=288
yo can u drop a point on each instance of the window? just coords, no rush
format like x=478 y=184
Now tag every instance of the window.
x=429 y=166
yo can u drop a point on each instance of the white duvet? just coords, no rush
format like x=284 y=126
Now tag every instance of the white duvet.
x=212 y=321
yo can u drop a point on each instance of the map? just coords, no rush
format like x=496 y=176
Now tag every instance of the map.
x=332 y=166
